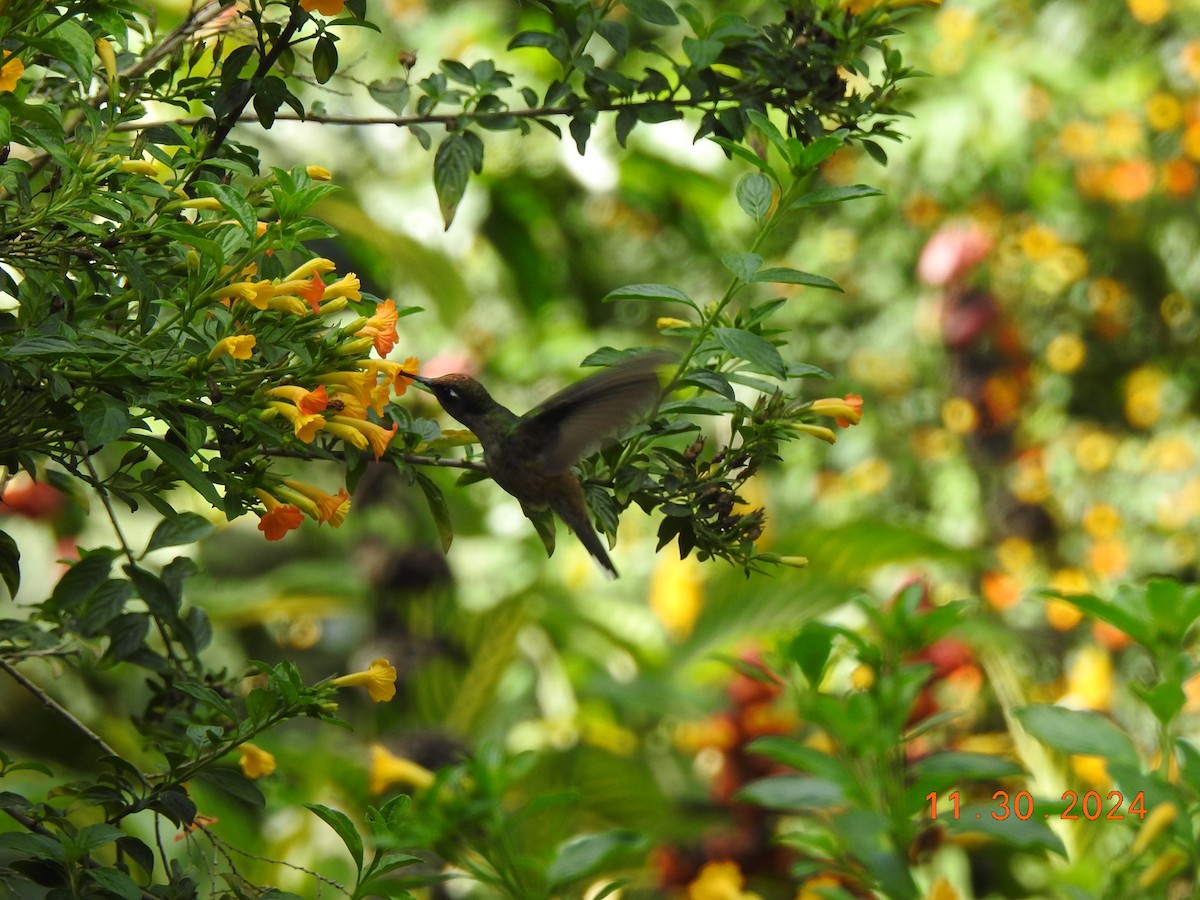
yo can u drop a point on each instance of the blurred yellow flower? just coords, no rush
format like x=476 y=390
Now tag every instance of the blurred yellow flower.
x=1101 y=520
x=1148 y=12
x=1190 y=142
x=387 y=770
x=1065 y=353
x=1189 y=59
x=719 y=881
x=379 y=678
x=255 y=762
x=1062 y=615
x=1090 y=681
x=955 y=24
x=1144 y=396
x=1038 y=242
x=1109 y=557
x=676 y=593
x=1078 y=139
x=941 y=889
x=1092 y=770
x=959 y=415
x=1015 y=554
x=1163 y=111
x=1130 y=181
x=1094 y=451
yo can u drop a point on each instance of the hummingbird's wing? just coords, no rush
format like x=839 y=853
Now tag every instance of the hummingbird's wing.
x=574 y=422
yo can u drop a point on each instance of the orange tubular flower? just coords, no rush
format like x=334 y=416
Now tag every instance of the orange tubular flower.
x=379 y=678
x=305 y=425
x=308 y=402
x=381 y=328
x=376 y=435
x=331 y=508
x=846 y=412
x=279 y=519
x=314 y=293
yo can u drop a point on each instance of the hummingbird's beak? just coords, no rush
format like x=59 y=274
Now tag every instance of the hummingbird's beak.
x=419 y=379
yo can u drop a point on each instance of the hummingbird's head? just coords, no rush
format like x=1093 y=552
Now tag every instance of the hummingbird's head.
x=460 y=395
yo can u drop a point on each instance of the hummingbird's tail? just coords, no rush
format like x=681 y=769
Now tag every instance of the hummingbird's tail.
x=575 y=515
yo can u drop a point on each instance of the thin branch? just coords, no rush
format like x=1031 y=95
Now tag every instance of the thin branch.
x=60 y=710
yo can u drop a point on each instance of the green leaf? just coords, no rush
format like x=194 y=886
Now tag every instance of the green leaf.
x=792 y=792
x=756 y=350
x=1165 y=700
x=820 y=150
x=771 y=133
x=103 y=419
x=234 y=201
x=1119 y=618
x=585 y=855
x=656 y=12
x=185 y=468
x=10 y=563
x=742 y=265
x=661 y=292
x=126 y=636
x=451 y=169
x=391 y=94
x=324 y=59
x=438 y=508
x=810 y=650
x=789 y=751
x=702 y=53
x=743 y=153
x=1028 y=834
x=755 y=193
x=235 y=784
x=841 y=194
x=957 y=764
x=185 y=528
x=1077 y=732
x=115 y=883
x=783 y=275
x=345 y=829
x=82 y=579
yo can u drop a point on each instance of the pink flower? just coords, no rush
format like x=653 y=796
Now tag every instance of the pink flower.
x=951 y=253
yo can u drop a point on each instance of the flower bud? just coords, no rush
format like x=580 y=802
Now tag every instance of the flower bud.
x=108 y=58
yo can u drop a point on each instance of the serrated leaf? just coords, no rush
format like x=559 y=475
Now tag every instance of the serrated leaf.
x=835 y=195
x=1075 y=731
x=662 y=292
x=742 y=265
x=451 y=169
x=755 y=193
x=185 y=528
x=783 y=275
x=758 y=351
x=344 y=828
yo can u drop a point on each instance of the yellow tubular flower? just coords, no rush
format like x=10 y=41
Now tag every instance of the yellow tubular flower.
x=305 y=425
x=379 y=678
x=1156 y=823
x=387 y=769
x=376 y=435
x=332 y=508
x=818 y=431
x=351 y=436
x=318 y=173
x=255 y=761
x=308 y=269
x=108 y=58
x=838 y=408
x=288 y=304
x=347 y=286
x=10 y=73
x=239 y=346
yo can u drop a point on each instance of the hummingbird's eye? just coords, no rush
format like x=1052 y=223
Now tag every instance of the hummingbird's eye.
x=452 y=393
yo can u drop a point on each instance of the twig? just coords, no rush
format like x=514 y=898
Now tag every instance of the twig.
x=64 y=713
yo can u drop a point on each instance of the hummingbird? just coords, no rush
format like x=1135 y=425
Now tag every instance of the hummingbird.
x=531 y=456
